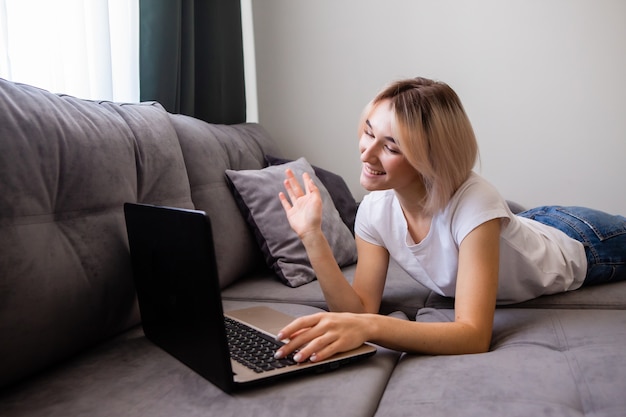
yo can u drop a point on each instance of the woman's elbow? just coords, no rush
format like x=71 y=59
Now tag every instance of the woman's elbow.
x=476 y=341
x=481 y=344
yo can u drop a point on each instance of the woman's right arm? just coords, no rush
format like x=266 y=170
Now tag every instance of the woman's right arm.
x=304 y=214
x=365 y=293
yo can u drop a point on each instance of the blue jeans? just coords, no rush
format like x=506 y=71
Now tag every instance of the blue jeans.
x=603 y=236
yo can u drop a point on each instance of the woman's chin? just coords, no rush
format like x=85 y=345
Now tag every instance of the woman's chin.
x=368 y=184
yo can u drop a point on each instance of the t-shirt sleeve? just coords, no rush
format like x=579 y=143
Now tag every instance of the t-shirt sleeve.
x=364 y=226
x=477 y=203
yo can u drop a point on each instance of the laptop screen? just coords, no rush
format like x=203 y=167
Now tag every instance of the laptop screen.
x=175 y=276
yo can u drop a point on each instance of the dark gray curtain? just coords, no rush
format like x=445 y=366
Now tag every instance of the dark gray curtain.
x=191 y=58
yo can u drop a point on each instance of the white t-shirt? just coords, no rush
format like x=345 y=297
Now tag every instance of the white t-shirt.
x=535 y=259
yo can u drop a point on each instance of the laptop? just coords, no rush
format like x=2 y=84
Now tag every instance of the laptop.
x=178 y=292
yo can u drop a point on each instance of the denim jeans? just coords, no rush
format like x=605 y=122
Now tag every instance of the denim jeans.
x=603 y=236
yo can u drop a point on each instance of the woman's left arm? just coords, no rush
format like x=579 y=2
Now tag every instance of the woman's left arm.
x=474 y=306
x=477 y=283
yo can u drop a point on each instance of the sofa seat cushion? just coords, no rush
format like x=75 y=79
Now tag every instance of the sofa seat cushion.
x=129 y=376
x=401 y=293
x=542 y=362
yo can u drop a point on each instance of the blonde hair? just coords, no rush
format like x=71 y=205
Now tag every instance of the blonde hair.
x=433 y=133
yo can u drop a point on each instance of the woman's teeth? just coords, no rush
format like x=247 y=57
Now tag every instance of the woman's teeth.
x=374 y=172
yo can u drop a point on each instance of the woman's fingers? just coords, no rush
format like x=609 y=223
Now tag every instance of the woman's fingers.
x=297 y=325
x=320 y=348
x=309 y=184
x=293 y=187
x=299 y=333
x=284 y=201
x=317 y=337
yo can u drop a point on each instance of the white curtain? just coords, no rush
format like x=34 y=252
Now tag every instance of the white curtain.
x=86 y=48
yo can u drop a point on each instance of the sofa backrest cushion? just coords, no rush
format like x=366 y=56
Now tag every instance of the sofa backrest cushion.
x=210 y=150
x=66 y=168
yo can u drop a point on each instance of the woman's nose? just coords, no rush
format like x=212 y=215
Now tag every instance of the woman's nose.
x=367 y=150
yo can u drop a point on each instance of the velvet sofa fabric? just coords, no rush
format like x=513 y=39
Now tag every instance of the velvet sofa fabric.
x=71 y=343
x=66 y=166
x=129 y=376
x=556 y=362
x=208 y=151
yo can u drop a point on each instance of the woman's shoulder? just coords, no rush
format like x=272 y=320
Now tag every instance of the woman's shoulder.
x=474 y=203
x=477 y=181
x=477 y=190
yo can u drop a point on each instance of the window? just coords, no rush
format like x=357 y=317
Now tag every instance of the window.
x=86 y=48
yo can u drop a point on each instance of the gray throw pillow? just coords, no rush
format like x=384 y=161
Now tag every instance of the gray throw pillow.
x=256 y=193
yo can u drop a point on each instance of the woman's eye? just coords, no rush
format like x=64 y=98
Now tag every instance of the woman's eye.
x=392 y=150
x=369 y=133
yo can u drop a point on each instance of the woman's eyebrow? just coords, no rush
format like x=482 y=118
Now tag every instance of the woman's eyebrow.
x=387 y=138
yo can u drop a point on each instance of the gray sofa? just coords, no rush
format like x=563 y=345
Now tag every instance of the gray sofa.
x=70 y=337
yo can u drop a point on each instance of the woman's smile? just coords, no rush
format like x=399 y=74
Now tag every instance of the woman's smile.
x=372 y=171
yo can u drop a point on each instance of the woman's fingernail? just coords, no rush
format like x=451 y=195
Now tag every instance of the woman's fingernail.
x=297 y=357
x=280 y=336
x=279 y=354
x=313 y=357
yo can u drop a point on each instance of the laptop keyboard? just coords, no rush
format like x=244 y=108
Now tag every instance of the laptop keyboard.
x=254 y=349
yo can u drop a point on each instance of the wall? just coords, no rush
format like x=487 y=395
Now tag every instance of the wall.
x=542 y=81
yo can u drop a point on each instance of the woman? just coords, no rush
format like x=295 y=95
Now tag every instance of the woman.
x=443 y=224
